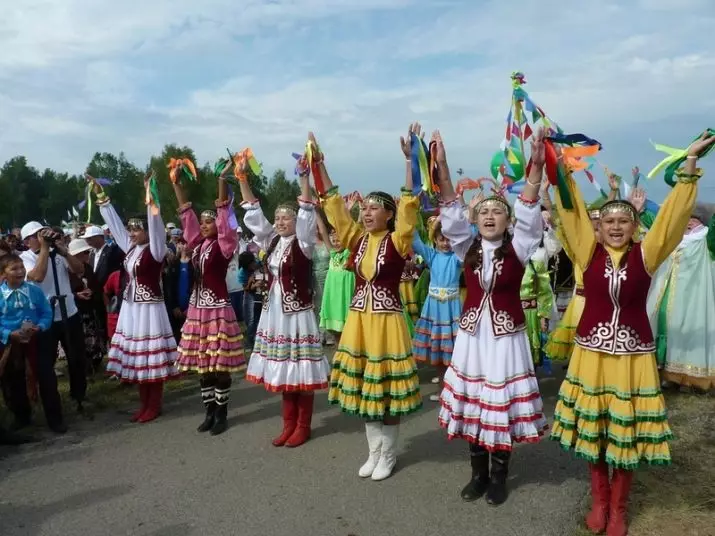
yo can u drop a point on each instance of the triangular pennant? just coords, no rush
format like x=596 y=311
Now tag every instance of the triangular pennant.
x=527 y=131
x=515 y=130
x=535 y=116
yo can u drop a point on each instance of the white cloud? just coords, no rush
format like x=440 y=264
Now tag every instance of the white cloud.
x=133 y=76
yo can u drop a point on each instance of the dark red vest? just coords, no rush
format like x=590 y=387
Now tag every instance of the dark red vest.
x=384 y=287
x=210 y=291
x=501 y=299
x=146 y=273
x=295 y=275
x=614 y=319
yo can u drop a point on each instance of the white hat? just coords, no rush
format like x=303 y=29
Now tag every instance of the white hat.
x=31 y=228
x=78 y=245
x=239 y=229
x=105 y=227
x=171 y=226
x=67 y=231
x=92 y=231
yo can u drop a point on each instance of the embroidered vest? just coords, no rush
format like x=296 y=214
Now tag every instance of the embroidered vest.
x=384 y=287
x=210 y=266
x=294 y=277
x=501 y=299
x=615 y=320
x=146 y=274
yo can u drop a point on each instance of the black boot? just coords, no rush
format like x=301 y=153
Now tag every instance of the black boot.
x=497 y=492
x=220 y=424
x=207 y=397
x=477 y=486
x=222 y=393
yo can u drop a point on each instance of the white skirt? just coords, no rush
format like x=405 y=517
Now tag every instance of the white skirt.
x=143 y=348
x=288 y=354
x=491 y=395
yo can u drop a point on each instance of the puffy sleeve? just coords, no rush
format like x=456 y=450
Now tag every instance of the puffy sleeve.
x=190 y=226
x=305 y=228
x=116 y=226
x=44 y=311
x=423 y=250
x=528 y=230
x=227 y=237
x=669 y=225
x=575 y=226
x=405 y=223
x=457 y=229
x=263 y=231
x=339 y=218
x=157 y=235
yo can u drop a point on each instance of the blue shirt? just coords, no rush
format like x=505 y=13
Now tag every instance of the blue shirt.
x=445 y=268
x=25 y=303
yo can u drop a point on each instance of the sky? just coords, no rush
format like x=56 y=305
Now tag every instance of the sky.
x=81 y=76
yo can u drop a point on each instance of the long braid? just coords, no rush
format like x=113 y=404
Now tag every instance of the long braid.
x=474 y=255
x=501 y=250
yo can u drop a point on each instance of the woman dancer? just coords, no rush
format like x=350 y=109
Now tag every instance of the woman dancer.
x=211 y=342
x=680 y=303
x=143 y=349
x=437 y=327
x=491 y=396
x=374 y=375
x=288 y=355
x=610 y=409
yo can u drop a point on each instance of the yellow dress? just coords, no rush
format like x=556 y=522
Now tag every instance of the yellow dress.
x=561 y=339
x=409 y=300
x=374 y=374
x=610 y=406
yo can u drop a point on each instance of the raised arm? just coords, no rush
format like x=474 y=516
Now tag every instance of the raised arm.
x=405 y=222
x=575 y=226
x=255 y=220
x=422 y=249
x=115 y=223
x=306 y=221
x=157 y=234
x=189 y=221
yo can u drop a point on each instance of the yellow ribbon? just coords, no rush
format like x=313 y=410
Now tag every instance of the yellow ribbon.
x=673 y=155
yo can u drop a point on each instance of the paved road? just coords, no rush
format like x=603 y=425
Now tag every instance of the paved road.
x=109 y=477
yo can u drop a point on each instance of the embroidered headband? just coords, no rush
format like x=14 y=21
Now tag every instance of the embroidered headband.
x=382 y=199
x=208 y=214
x=622 y=207
x=494 y=201
x=286 y=209
x=136 y=224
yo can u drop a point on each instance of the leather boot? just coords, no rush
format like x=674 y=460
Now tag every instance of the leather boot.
x=478 y=484
x=597 y=518
x=388 y=452
x=290 y=418
x=373 y=432
x=154 y=400
x=497 y=492
x=618 y=511
x=143 y=402
x=305 y=419
x=221 y=419
x=209 y=399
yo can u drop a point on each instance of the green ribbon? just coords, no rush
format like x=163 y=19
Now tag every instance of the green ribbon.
x=88 y=197
x=675 y=158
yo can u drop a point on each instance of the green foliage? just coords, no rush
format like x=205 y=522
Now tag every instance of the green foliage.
x=29 y=194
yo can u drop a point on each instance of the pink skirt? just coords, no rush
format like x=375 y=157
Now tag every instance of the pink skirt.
x=211 y=341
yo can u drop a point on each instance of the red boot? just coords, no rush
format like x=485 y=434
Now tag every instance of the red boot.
x=156 y=394
x=597 y=518
x=620 y=490
x=305 y=417
x=290 y=418
x=143 y=402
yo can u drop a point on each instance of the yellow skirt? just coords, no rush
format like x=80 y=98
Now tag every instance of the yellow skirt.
x=560 y=344
x=409 y=300
x=610 y=407
x=374 y=374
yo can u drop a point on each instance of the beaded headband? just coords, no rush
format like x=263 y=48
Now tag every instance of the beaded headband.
x=208 y=214
x=136 y=224
x=387 y=204
x=286 y=210
x=494 y=202
x=618 y=207
x=594 y=214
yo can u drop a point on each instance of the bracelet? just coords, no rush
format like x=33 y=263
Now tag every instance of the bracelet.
x=533 y=183
x=692 y=157
x=527 y=202
x=408 y=160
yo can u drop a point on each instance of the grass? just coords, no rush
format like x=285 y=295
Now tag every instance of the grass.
x=679 y=500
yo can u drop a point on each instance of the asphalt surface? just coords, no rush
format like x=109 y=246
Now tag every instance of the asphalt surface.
x=110 y=477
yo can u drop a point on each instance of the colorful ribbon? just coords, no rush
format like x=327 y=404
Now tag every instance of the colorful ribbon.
x=675 y=158
x=424 y=166
x=240 y=159
x=151 y=198
x=314 y=157
x=183 y=166
x=466 y=184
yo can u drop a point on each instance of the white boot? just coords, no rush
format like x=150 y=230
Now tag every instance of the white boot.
x=373 y=432
x=388 y=453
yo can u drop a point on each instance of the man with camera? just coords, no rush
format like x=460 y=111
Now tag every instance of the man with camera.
x=48 y=265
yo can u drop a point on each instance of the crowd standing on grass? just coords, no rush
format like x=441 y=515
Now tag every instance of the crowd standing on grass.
x=499 y=289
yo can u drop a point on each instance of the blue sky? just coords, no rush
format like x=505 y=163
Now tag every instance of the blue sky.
x=78 y=77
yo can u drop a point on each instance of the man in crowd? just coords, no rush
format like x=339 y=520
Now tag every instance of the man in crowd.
x=48 y=265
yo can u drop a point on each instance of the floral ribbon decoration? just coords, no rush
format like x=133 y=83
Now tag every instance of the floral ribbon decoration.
x=181 y=167
x=151 y=199
x=675 y=158
x=87 y=201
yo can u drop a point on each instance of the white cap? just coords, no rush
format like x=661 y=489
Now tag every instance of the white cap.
x=91 y=231
x=78 y=245
x=171 y=226
x=239 y=229
x=31 y=228
x=67 y=231
x=105 y=227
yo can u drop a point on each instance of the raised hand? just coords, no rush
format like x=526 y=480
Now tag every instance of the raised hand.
x=405 y=143
x=613 y=181
x=701 y=144
x=440 y=152
x=538 y=153
x=637 y=198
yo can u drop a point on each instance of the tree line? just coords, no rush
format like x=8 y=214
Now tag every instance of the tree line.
x=30 y=194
